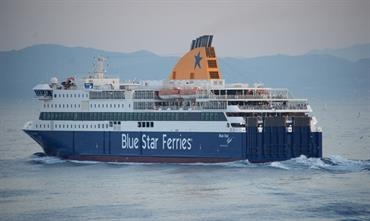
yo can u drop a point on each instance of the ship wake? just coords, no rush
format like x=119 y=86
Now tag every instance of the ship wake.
x=334 y=164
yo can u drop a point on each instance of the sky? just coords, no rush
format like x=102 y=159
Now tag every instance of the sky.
x=241 y=28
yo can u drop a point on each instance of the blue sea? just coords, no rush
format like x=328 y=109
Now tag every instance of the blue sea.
x=336 y=187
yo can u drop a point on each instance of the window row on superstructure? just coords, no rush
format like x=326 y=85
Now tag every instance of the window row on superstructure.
x=81 y=126
x=112 y=105
x=62 y=105
x=133 y=116
x=107 y=95
x=72 y=126
x=69 y=95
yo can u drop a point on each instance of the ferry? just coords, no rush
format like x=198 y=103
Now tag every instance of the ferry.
x=193 y=116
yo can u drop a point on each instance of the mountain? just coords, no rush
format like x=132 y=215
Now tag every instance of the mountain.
x=22 y=70
x=353 y=53
x=321 y=76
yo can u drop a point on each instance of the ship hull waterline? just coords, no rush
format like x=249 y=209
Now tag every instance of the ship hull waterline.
x=179 y=147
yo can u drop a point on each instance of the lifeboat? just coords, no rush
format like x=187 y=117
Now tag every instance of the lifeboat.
x=175 y=93
x=169 y=93
x=188 y=93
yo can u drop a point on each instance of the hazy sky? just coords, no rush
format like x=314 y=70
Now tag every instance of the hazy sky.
x=241 y=27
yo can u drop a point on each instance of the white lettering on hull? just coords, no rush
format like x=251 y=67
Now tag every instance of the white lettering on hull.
x=153 y=143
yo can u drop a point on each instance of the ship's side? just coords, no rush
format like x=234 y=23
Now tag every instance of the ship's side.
x=191 y=117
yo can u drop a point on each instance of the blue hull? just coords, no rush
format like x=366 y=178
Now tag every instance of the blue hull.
x=274 y=144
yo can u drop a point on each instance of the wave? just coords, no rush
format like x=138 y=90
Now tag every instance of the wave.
x=333 y=163
x=46 y=160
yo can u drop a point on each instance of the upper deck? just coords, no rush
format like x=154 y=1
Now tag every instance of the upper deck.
x=195 y=84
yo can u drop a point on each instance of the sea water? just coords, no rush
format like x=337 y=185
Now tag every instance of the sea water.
x=336 y=187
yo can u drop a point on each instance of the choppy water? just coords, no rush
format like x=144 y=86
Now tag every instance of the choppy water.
x=336 y=187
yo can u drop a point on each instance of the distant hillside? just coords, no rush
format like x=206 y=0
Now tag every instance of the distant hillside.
x=310 y=75
x=23 y=69
x=353 y=53
x=319 y=76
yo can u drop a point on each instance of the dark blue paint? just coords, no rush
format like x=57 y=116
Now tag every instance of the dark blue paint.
x=273 y=144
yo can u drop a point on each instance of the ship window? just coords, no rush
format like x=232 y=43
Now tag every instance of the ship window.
x=138 y=124
x=151 y=124
x=147 y=124
x=55 y=95
x=79 y=95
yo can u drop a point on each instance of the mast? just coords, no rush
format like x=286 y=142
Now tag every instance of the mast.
x=100 y=67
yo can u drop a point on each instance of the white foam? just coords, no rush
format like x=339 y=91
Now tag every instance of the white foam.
x=47 y=160
x=84 y=161
x=279 y=165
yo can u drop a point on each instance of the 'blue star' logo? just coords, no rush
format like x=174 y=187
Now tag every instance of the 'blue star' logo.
x=198 y=58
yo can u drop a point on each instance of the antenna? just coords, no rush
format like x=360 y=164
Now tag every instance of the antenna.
x=100 y=67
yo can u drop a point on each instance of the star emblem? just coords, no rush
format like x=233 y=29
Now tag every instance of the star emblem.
x=198 y=58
